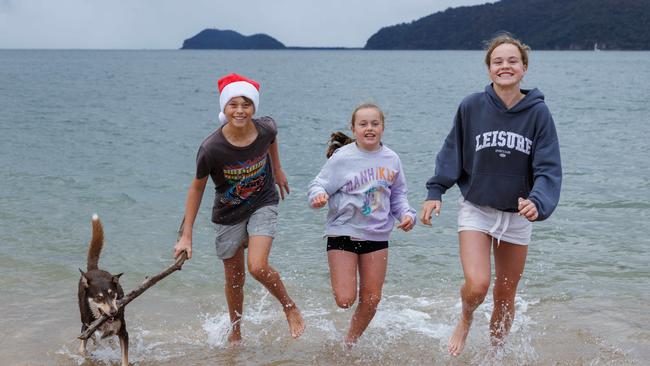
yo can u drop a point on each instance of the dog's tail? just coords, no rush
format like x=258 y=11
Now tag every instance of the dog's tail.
x=96 y=244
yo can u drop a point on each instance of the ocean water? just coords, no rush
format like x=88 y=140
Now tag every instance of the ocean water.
x=116 y=133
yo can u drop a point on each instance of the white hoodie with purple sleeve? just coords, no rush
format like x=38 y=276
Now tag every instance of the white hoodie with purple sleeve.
x=367 y=192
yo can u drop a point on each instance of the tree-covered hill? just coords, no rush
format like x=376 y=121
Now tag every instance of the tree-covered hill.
x=542 y=24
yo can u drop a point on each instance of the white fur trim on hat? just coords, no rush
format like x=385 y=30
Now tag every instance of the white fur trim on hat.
x=237 y=89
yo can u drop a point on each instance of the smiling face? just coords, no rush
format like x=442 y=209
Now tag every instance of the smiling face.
x=506 y=68
x=239 y=111
x=368 y=128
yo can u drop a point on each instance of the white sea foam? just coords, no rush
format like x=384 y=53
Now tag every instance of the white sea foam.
x=217 y=328
x=144 y=345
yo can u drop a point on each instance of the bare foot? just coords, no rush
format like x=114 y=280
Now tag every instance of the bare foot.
x=234 y=338
x=457 y=339
x=349 y=342
x=296 y=323
x=497 y=343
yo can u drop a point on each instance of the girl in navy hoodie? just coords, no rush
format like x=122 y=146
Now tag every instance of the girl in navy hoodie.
x=503 y=153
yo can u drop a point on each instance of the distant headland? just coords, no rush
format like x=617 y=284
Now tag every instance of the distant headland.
x=230 y=40
x=542 y=24
x=212 y=39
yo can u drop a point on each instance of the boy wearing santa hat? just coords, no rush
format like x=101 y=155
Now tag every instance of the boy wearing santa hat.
x=241 y=157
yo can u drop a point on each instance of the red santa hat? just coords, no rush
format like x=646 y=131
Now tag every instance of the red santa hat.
x=233 y=85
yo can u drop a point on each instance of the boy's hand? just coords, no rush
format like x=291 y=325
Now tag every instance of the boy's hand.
x=406 y=223
x=281 y=181
x=429 y=207
x=527 y=209
x=183 y=244
x=320 y=200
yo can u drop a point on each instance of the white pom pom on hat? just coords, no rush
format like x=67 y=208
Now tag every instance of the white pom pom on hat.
x=234 y=85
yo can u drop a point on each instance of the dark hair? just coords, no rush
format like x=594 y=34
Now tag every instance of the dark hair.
x=246 y=99
x=503 y=38
x=338 y=139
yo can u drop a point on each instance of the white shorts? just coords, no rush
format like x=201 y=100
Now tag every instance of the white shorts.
x=507 y=226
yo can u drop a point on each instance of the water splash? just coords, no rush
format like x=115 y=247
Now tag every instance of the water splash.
x=217 y=328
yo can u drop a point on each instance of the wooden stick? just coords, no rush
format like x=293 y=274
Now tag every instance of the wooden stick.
x=148 y=282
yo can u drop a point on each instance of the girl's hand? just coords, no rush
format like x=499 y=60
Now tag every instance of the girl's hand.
x=320 y=200
x=281 y=181
x=527 y=209
x=406 y=223
x=429 y=207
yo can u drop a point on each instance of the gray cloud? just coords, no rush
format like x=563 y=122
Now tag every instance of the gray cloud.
x=6 y=5
x=164 y=24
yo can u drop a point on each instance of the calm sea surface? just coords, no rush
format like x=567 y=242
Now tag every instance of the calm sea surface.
x=116 y=133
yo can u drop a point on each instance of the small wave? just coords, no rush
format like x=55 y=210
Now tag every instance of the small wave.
x=611 y=204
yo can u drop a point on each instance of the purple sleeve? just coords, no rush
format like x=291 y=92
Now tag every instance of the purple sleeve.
x=325 y=181
x=399 y=204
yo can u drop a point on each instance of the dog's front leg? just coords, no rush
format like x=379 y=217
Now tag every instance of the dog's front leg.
x=124 y=345
x=82 y=348
x=82 y=345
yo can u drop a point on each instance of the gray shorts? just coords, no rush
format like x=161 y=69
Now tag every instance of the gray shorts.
x=507 y=226
x=262 y=222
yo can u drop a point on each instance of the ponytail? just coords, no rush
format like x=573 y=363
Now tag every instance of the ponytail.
x=337 y=139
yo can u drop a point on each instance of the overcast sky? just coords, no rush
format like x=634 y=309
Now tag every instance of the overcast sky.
x=164 y=24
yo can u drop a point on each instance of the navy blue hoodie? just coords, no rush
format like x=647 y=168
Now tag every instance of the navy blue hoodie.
x=497 y=155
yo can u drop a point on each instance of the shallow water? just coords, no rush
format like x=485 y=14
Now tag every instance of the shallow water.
x=116 y=133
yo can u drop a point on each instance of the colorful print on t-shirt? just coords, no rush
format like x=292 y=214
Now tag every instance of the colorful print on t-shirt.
x=245 y=179
x=373 y=182
x=372 y=200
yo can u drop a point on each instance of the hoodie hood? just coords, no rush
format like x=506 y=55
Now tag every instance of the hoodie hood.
x=531 y=97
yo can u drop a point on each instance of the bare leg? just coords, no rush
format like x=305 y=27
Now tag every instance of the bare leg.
x=258 y=265
x=343 y=275
x=372 y=272
x=235 y=272
x=475 y=259
x=509 y=262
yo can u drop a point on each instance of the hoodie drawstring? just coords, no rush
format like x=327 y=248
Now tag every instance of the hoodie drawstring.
x=496 y=225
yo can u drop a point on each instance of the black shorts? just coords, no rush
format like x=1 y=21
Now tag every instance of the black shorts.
x=355 y=246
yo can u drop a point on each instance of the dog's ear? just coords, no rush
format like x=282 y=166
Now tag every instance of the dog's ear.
x=84 y=280
x=116 y=278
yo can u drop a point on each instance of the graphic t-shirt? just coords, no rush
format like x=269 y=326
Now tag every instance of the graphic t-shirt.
x=242 y=176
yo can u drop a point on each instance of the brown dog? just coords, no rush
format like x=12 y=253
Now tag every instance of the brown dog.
x=99 y=292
